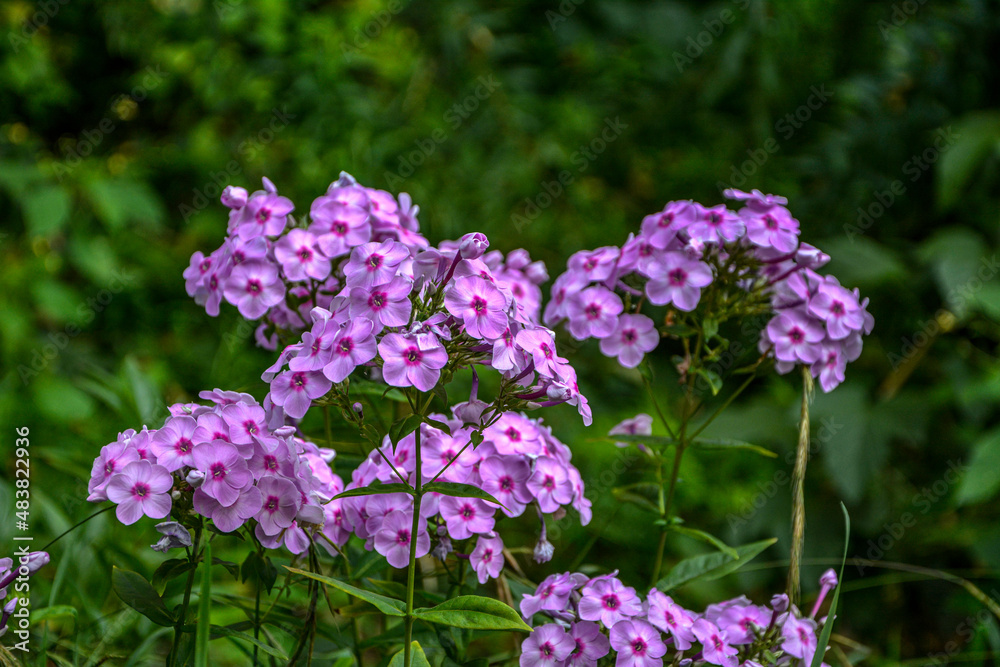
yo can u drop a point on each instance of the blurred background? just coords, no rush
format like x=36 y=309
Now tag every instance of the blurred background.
x=120 y=121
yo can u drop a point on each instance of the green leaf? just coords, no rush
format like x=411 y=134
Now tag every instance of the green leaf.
x=456 y=490
x=980 y=480
x=220 y=631
x=824 y=637
x=714 y=379
x=476 y=437
x=55 y=611
x=368 y=388
x=710 y=326
x=474 y=613
x=975 y=138
x=403 y=427
x=624 y=495
x=202 y=635
x=46 y=209
x=386 y=605
x=711 y=566
x=417 y=657
x=169 y=569
x=705 y=537
x=139 y=594
x=439 y=425
x=720 y=444
x=375 y=489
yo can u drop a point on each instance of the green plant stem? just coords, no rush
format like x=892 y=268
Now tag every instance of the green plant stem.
x=74 y=527
x=798 y=492
x=256 y=621
x=189 y=584
x=411 y=572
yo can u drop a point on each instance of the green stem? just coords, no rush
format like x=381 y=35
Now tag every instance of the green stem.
x=798 y=491
x=256 y=621
x=189 y=584
x=718 y=411
x=412 y=570
x=74 y=527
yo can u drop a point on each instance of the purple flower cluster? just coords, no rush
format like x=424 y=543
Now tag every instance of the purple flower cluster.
x=593 y=617
x=519 y=462
x=688 y=248
x=270 y=267
x=224 y=463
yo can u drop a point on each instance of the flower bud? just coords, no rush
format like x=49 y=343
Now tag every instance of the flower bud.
x=536 y=272
x=473 y=245
x=829 y=579
x=311 y=514
x=234 y=197
x=195 y=478
x=544 y=551
x=780 y=603
x=517 y=259
x=175 y=536
x=35 y=561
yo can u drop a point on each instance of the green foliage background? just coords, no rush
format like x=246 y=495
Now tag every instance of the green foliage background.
x=119 y=117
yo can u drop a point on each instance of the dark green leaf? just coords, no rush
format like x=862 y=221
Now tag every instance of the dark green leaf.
x=384 y=604
x=719 y=444
x=456 y=490
x=710 y=326
x=627 y=496
x=824 y=637
x=475 y=613
x=476 y=437
x=711 y=566
x=705 y=537
x=169 y=569
x=980 y=480
x=403 y=427
x=231 y=567
x=375 y=490
x=136 y=592
x=713 y=379
x=439 y=425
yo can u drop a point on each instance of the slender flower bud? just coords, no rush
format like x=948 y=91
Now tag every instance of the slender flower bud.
x=827 y=582
x=473 y=245
x=234 y=197
x=780 y=603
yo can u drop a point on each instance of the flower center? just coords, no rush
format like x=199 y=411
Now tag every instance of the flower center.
x=183 y=446
x=796 y=335
x=218 y=470
x=374 y=262
x=412 y=356
x=346 y=345
x=272 y=504
x=549 y=483
x=638 y=646
x=837 y=308
x=305 y=254
x=299 y=381
x=254 y=287
x=770 y=222
x=593 y=311
x=377 y=300
x=339 y=228
x=611 y=602
x=270 y=462
x=629 y=336
x=263 y=215
x=478 y=305
x=678 y=277
x=403 y=537
x=140 y=490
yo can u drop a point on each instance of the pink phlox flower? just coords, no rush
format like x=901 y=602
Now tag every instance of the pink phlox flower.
x=480 y=306
x=715 y=647
x=466 y=517
x=641 y=424
x=634 y=336
x=280 y=502
x=264 y=215
x=593 y=313
x=412 y=360
x=505 y=478
x=254 y=287
x=547 y=646
x=670 y=617
x=608 y=600
x=487 y=558
x=141 y=488
x=394 y=535
x=591 y=644
x=717 y=225
x=112 y=459
x=386 y=305
x=638 y=644
x=174 y=443
x=225 y=470
x=675 y=278
x=374 y=263
x=352 y=345
x=299 y=257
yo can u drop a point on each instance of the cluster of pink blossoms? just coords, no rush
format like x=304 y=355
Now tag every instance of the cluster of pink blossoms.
x=359 y=287
x=270 y=268
x=681 y=251
x=222 y=461
x=519 y=462
x=596 y=616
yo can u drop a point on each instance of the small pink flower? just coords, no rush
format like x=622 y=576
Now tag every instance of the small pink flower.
x=487 y=558
x=480 y=305
x=140 y=488
x=638 y=644
x=393 y=539
x=546 y=646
